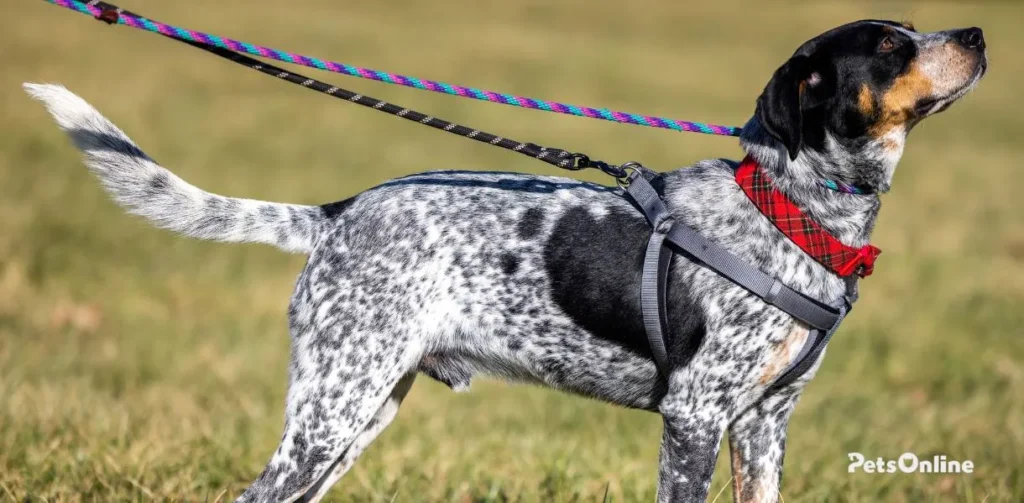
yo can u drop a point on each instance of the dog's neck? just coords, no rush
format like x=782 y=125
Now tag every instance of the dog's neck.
x=848 y=217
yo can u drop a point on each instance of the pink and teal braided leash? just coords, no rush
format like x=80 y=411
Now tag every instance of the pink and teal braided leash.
x=392 y=78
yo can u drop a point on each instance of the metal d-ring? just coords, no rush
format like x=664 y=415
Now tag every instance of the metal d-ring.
x=627 y=169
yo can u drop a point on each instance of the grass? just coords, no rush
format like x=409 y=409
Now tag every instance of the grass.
x=136 y=365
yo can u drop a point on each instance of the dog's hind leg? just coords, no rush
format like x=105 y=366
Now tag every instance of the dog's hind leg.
x=381 y=420
x=345 y=368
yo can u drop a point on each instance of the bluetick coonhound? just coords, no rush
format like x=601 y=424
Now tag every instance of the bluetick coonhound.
x=535 y=279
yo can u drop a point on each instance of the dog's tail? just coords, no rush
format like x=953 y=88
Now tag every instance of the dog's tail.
x=147 y=189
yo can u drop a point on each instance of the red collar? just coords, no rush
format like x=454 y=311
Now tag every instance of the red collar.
x=799 y=228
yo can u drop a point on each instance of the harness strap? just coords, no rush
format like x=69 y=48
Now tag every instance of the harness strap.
x=769 y=289
x=653 y=286
x=809 y=354
x=816 y=342
x=654 y=279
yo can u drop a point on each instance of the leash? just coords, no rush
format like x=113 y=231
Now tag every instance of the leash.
x=113 y=14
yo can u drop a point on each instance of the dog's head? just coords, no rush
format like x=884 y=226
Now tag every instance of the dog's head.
x=842 y=106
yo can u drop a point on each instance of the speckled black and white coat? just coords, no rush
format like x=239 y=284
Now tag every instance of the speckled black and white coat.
x=536 y=279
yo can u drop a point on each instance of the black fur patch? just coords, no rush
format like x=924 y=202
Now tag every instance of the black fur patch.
x=529 y=226
x=595 y=269
x=509 y=263
x=332 y=210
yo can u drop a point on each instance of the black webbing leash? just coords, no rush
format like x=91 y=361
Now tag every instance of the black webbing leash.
x=553 y=156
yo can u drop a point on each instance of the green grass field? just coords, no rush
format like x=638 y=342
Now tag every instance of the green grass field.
x=138 y=365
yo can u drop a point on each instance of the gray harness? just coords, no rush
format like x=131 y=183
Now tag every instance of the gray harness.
x=667 y=233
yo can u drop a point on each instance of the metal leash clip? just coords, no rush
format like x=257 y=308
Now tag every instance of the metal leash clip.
x=620 y=173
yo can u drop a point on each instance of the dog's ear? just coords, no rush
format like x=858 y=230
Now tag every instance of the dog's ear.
x=780 y=107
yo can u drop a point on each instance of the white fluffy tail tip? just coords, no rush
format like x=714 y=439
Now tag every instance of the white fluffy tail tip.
x=65 y=107
x=46 y=92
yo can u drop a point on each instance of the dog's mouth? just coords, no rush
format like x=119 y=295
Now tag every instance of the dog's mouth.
x=926 y=106
x=934 y=105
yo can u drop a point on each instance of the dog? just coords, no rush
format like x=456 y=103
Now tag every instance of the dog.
x=536 y=279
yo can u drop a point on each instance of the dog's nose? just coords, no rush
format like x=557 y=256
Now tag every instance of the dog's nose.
x=972 y=38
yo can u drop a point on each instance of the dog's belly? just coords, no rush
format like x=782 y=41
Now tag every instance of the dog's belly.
x=635 y=385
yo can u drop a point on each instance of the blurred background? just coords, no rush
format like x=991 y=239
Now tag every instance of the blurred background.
x=138 y=365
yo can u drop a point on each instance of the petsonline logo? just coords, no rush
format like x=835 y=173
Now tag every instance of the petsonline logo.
x=908 y=462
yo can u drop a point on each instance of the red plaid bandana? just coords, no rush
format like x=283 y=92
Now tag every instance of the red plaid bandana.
x=799 y=228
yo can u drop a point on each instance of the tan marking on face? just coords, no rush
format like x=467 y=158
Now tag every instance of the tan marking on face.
x=866 y=101
x=896 y=104
x=908 y=25
x=781 y=357
x=941 y=70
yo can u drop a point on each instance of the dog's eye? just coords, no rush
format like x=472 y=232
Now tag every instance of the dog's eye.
x=886 y=45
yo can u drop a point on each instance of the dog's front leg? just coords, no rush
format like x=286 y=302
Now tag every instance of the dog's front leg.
x=689 y=446
x=757 y=444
